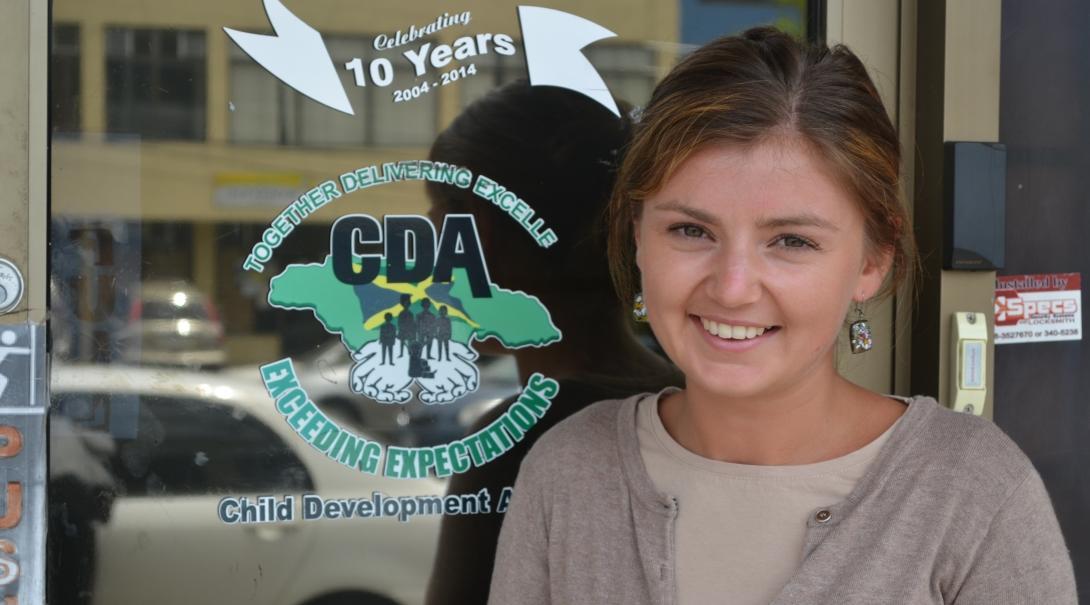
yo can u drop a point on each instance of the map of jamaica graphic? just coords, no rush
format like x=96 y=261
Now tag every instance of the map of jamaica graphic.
x=404 y=333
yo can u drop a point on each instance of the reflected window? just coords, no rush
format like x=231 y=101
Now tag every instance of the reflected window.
x=258 y=102
x=315 y=125
x=64 y=84
x=166 y=250
x=155 y=81
x=628 y=70
x=493 y=71
x=264 y=111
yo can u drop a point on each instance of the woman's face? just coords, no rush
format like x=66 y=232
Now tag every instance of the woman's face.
x=737 y=241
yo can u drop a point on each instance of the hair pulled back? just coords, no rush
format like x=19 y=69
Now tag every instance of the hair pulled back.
x=758 y=86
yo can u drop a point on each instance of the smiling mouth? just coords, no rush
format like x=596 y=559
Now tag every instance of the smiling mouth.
x=729 y=332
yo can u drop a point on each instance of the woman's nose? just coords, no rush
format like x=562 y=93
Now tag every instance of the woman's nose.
x=735 y=279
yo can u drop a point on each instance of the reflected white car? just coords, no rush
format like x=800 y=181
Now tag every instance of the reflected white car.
x=172 y=323
x=183 y=441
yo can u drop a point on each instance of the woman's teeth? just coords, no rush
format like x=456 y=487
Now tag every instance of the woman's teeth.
x=731 y=332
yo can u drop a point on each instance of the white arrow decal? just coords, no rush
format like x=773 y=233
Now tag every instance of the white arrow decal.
x=297 y=55
x=554 y=41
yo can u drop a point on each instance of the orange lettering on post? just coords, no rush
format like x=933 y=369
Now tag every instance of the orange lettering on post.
x=14 y=509
x=13 y=441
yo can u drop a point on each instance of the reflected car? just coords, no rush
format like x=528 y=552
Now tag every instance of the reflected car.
x=172 y=323
x=183 y=441
x=324 y=373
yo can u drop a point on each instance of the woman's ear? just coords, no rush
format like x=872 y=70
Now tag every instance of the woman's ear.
x=636 y=238
x=875 y=268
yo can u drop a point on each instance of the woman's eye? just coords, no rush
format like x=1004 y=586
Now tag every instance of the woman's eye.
x=689 y=230
x=795 y=241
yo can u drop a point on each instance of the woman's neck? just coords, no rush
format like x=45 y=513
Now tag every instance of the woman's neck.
x=818 y=418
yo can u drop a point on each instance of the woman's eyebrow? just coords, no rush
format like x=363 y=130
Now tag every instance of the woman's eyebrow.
x=695 y=213
x=796 y=220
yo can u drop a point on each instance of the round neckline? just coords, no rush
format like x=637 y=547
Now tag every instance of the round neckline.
x=921 y=411
x=648 y=407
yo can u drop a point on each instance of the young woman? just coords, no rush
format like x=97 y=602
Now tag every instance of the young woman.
x=759 y=205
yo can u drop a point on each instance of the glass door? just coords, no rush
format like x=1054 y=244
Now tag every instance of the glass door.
x=320 y=274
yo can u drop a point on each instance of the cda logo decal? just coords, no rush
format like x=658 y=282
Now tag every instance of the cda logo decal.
x=409 y=316
x=422 y=339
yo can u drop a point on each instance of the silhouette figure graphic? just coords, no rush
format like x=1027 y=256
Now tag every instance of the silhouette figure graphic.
x=406 y=324
x=387 y=335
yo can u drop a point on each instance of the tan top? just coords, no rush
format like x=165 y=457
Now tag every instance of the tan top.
x=950 y=512
x=740 y=527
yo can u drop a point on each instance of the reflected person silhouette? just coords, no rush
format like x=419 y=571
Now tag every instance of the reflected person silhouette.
x=81 y=495
x=557 y=150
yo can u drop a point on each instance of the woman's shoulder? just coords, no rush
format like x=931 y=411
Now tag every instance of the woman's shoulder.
x=965 y=449
x=964 y=472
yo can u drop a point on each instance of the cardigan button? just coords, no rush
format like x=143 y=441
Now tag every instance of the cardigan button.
x=822 y=516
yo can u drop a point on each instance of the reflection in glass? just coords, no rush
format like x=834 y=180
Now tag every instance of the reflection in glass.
x=64 y=79
x=171 y=151
x=155 y=80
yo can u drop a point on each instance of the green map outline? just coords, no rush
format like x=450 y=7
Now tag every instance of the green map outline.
x=506 y=316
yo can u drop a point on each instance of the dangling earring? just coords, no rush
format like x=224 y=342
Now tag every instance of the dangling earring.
x=859 y=332
x=639 y=309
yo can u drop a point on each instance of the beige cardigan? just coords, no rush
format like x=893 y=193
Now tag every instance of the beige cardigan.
x=950 y=511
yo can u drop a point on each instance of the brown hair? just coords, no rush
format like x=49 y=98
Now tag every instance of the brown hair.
x=753 y=87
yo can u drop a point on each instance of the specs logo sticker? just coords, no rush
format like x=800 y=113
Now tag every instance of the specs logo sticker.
x=1038 y=308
